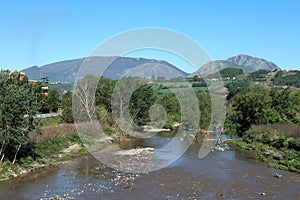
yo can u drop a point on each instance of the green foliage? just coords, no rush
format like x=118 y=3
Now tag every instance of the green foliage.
x=279 y=74
x=18 y=106
x=141 y=101
x=49 y=147
x=260 y=74
x=26 y=162
x=269 y=144
x=199 y=84
x=205 y=109
x=62 y=86
x=51 y=102
x=286 y=103
x=254 y=106
x=109 y=131
x=227 y=72
x=104 y=116
x=67 y=114
x=51 y=121
x=104 y=91
x=172 y=107
x=54 y=146
x=132 y=99
x=292 y=79
x=237 y=84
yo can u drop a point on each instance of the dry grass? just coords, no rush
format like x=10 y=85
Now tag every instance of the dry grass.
x=50 y=132
x=285 y=129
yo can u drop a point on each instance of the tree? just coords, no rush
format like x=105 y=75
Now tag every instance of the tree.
x=141 y=101
x=260 y=74
x=67 y=114
x=104 y=91
x=131 y=101
x=289 y=79
x=254 y=106
x=237 y=84
x=249 y=106
x=205 y=109
x=227 y=72
x=83 y=102
x=51 y=102
x=286 y=103
x=18 y=106
x=171 y=105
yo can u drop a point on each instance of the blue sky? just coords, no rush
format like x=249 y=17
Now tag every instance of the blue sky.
x=41 y=32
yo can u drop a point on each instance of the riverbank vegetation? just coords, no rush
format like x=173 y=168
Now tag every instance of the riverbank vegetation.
x=114 y=103
x=45 y=152
x=27 y=142
x=276 y=149
x=267 y=121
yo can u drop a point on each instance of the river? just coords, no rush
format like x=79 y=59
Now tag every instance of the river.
x=232 y=174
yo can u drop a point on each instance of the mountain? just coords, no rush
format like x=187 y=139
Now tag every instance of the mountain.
x=251 y=64
x=245 y=62
x=214 y=66
x=67 y=71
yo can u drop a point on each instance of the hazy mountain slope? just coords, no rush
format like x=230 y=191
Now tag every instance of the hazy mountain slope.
x=252 y=63
x=247 y=63
x=67 y=70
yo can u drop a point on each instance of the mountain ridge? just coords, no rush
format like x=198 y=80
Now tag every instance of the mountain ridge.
x=245 y=62
x=67 y=70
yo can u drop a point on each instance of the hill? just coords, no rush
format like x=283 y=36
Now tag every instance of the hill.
x=251 y=64
x=247 y=63
x=67 y=71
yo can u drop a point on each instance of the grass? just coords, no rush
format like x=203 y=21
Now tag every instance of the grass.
x=184 y=89
x=54 y=146
x=291 y=161
x=168 y=133
x=292 y=130
x=109 y=131
x=46 y=151
x=53 y=131
x=51 y=121
x=177 y=86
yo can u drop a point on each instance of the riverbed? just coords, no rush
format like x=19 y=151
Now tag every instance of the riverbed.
x=231 y=174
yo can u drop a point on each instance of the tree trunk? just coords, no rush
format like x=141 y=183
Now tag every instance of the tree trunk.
x=15 y=158
x=2 y=151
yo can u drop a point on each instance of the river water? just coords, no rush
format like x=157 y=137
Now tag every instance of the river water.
x=232 y=174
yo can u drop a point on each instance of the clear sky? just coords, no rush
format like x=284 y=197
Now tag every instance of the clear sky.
x=41 y=32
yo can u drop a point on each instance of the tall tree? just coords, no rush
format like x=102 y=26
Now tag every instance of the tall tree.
x=51 y=102
x=254 y=106
x=140 y=102
x=104 y=91
x=18 y=106
x=67 y=114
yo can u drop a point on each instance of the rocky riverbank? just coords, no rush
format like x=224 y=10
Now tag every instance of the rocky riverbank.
x=50 y=152
x=273 y=148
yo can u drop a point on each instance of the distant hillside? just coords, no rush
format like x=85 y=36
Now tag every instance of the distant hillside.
x=66 y=71
x=251 y=64
x=247 y=63
x=214 y=66
x=227 y=73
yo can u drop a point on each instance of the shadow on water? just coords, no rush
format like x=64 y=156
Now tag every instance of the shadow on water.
x=232 y=174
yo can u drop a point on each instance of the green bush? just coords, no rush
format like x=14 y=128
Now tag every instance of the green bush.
x=109 y=131
x=26 y=162
x=51 y=121
x=271 y=141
